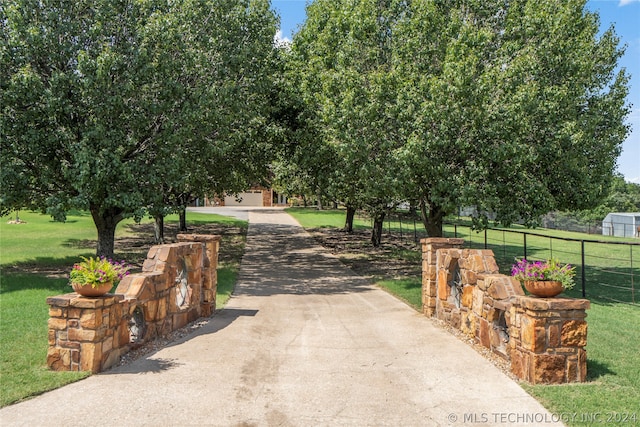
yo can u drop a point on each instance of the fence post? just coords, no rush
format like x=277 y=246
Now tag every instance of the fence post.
x=485 y=238
x=455 y=230
x=584 y=270
x=633 y=290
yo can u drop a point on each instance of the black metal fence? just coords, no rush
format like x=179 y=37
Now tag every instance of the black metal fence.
x=608 y=269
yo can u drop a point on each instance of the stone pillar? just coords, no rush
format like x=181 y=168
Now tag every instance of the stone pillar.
x=209 y=269
x=429 y=265
x=86 y=334
x=548 y=338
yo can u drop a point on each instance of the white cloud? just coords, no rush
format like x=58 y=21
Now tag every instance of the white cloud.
x=280 y=41
x=626 y=2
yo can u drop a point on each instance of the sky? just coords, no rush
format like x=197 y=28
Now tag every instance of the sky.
x=623 y=14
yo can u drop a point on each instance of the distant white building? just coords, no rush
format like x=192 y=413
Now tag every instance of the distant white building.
x=621 y=224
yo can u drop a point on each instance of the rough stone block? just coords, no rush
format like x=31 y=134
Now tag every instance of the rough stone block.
x=206 y=309
x=468 y=324
x=61 y=300
x=478 y=300
x=166 y=253
x=485 y=338
x=532 y=335
x=52 y=337
x=582 y=365
x=467 y=296
x=57 y=323
x=180 y=320
x=91 y=319
x=490 y=263
x=162 y=309
x=493 y=315
x=444 y=290
x=107 y=345
x=574 y=333
x=55 y=311
x=520 y=364
x=469 y=277
x=59 y=359
x=84 y=335
x=516 y=286
x=455 y=319
x=110 y=359
x=90 y=357
x=151 y=309
x=534 y=304
x=548 y=369
x=124 y=337
x=553 y=331
x=477 y=263
x=497 y=289
x=74 y=313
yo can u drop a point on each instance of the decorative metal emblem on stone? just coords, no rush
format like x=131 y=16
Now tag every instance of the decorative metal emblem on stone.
x=182 y=285
x=456 y=286
x=137 y=326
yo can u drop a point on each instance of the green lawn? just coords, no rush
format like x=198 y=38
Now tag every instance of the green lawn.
x=613 y=349
x=32 y=257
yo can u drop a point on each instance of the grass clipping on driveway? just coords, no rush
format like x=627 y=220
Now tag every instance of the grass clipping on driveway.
x=612 y=391
x=35 y=257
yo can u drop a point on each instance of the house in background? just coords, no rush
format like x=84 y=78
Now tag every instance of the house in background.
x=621 y=224
x=256 y=196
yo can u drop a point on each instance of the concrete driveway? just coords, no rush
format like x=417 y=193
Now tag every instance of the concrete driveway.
x=303 y=342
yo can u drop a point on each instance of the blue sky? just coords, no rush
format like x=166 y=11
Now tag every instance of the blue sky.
x=624 y=14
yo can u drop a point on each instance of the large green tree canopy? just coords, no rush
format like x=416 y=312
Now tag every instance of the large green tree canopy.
x=515 y=107
x=118 y=105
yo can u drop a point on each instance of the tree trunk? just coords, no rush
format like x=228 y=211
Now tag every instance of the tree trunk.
x=183 y=220
x=105 y=221
x=376 y=231
x=158 y=228
x=432 y=216
x=319 y=196
x=304 y=200
x=348 y=225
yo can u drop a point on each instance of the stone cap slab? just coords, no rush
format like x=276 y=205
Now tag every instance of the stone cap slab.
x=555 y=304
x=198 y=237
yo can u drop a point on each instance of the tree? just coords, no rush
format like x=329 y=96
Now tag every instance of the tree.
x=622 y=197
x=342 y=56
x=513 y=107
x=114 y=105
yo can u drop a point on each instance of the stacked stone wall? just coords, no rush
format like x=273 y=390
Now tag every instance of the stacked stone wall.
x=177 y=285
x=544 y=339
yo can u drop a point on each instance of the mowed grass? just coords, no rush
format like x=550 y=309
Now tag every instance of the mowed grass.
x=613 y=349
x=32 y=255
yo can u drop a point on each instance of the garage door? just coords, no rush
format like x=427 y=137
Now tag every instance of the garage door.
x=250 y=198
